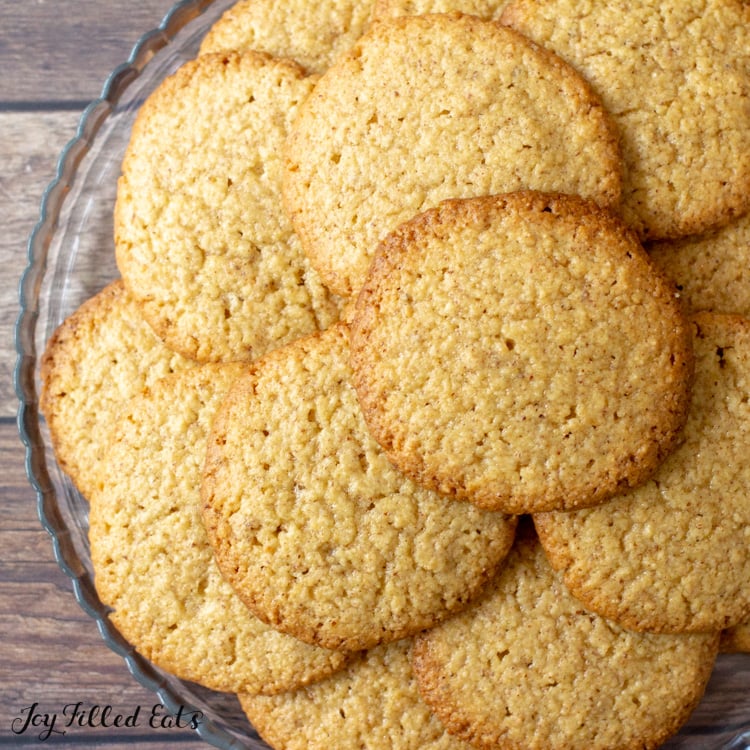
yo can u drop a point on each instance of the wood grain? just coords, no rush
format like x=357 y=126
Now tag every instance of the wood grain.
x=61 y=52
x=29 y=147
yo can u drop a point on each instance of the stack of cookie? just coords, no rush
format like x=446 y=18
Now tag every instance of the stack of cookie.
x=418 y=416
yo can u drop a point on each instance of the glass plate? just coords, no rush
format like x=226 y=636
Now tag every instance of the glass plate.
x=70 y=258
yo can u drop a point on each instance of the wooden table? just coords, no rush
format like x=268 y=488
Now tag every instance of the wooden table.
x=54 y=59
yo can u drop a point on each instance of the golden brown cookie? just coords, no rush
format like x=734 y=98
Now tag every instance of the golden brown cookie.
x=152 y=561
x=529 y=668
x=710 y=269
x=312 y=34
x=425 y=108
x=99 y=357
x=373 y=704
x=522 y=352
x=674 y=554
x=314 y=528
x=676 y=79
x=200 y=236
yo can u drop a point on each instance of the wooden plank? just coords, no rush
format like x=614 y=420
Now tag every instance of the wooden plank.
x=37 y=647
x=63 y=51
x=30 y=144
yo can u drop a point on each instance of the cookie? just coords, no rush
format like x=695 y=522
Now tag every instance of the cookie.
x=425 y=108
x=736 y=639
x=676 y=79
x=710 y=269
x=487 y=9
x=372 y=704
x=99 y=357
x=311 y=34
x=674 y=554
x=528 y=667
x=200 y=237
x=521 y=351
x=152 y=561
x=317 y=532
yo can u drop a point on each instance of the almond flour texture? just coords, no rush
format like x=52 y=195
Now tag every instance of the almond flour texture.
x=676 y=79
x=477 y=109
x=521 y=352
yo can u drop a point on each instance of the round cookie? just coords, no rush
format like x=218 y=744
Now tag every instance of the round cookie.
x=676 y=79
x=710 y=269
x=99 y=356
x=200 y=236
x=372 y=704
x=475 y=109
x=312 y=34
x=487 y=9
x=528 y=668
x=152 y=561
x=522 y=352
x=316 y=531
x=674 y=554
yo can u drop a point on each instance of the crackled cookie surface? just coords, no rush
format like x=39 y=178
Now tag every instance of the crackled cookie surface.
x=676 y=79
x=311 y=524
x=152 y=561
x=425 y=108
x=528 y=667
x=710 y=269
x=521 y=352
x=487 y=9
x=311 y=34
x=99 y=357
x=674 y=554
x=200 y=237
x=373 y=703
